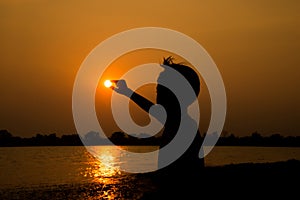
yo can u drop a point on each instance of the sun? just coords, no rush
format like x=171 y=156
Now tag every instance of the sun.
x=107 y=83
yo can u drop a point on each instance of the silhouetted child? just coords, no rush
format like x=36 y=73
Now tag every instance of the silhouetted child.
x=177 y=177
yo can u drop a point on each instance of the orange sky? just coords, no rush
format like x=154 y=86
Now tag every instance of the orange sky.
x=255 y=45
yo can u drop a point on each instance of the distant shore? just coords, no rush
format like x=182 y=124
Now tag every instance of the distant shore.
x=121 y=139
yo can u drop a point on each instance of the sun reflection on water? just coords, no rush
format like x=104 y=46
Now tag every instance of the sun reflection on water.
x=102 y=170
x=103 y=174
x=105 y=179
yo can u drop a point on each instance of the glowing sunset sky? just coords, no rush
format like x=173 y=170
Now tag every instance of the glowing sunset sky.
x=255 y=45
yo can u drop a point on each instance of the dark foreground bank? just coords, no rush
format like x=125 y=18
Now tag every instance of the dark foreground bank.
x=241 y=181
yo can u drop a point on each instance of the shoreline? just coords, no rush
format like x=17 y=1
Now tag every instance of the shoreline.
x=272 y=179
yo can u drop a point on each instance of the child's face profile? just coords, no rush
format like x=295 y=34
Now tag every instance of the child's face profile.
x=163 y=95
x=166 y=97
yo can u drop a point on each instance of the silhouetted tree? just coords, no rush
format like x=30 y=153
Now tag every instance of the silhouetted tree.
x=71 y=140
x=256 y=139
x=92 y=138
x=5 y=137
x=118 y=138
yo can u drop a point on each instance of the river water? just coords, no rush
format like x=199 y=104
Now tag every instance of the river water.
x=57 y=167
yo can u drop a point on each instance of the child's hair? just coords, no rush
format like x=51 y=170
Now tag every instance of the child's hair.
x=187 y=72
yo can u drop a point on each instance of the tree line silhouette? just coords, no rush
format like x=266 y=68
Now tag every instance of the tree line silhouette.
x=120 y=138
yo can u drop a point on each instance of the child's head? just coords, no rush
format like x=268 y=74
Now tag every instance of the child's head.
x=165 y=96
